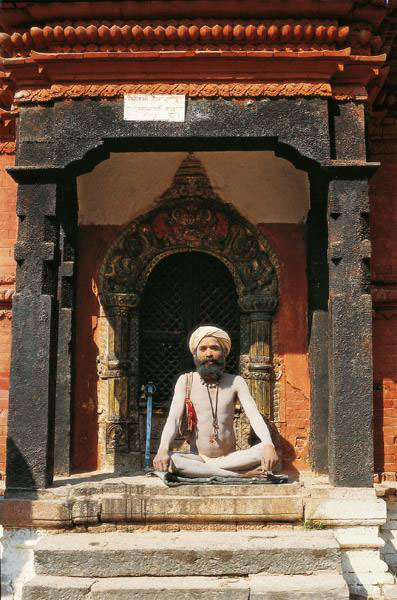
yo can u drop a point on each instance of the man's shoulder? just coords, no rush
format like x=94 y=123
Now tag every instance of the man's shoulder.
x=232 y=378
x=227 y=377
x=181 y=378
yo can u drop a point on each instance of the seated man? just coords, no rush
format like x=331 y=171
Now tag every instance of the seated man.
x=208 y=398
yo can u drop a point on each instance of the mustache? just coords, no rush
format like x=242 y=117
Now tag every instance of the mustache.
x=220 y=362
x=214 y=361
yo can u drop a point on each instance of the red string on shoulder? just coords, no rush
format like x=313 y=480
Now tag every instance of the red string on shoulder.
x=191 y=415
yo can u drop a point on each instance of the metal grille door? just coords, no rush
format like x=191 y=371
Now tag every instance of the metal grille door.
x=184 y=291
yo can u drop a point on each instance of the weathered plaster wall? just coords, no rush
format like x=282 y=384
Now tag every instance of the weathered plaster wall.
x=263 y=187
x=288 y=242
x=8 y=226
x=269 y=192
x=93 y=242
x=384 y=275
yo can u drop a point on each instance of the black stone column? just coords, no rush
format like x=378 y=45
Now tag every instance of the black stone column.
x=68 y=210
x=30 y=444
x=350 y=430
x=317 y=273
x=350 y=433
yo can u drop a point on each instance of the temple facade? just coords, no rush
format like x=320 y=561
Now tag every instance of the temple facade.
x=266 y=205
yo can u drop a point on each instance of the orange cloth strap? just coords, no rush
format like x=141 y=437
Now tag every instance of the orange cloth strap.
x=190 y=413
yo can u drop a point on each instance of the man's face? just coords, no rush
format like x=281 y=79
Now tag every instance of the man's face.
x=209 y=351
x=209 y=359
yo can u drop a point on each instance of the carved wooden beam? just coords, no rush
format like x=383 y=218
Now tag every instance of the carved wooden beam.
x=45 y=77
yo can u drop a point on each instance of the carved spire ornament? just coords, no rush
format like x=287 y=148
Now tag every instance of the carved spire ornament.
x=190 y=182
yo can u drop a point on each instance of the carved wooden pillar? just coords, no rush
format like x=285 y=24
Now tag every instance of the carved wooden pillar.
x=259 y=365
x=118 y=384
x=256 y=367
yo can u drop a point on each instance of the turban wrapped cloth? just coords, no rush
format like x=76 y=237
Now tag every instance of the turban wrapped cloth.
x=208 y=331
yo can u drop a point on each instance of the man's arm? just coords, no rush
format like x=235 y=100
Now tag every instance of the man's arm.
x=162 y=459
x=258 y=424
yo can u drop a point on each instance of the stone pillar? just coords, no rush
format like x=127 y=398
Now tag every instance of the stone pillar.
x=350 y=450
x=317 y=275
x=350 y=428
x=30 y=443
x=66 y=354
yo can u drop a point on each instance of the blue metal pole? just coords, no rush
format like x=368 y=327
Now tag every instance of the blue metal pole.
x=149 y=390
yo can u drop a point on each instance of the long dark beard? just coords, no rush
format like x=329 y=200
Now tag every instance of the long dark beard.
x=210 y=372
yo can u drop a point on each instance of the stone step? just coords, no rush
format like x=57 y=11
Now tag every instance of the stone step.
x=144 y=485
x=186 y=553
x=326 y=586
x=323 y=586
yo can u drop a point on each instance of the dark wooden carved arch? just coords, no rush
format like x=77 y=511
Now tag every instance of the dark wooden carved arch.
x=189 y=216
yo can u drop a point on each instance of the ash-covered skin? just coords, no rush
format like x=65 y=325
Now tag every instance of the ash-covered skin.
x=214 y=454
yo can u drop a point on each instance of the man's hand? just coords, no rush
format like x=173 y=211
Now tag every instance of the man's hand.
x=269 y=458
x=162 y=460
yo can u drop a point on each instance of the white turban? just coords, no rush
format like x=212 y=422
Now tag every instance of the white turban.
x=208 y=331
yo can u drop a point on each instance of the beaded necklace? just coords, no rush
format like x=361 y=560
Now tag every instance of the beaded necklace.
x=214 y=412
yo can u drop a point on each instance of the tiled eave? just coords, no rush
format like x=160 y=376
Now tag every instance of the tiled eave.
x=14 y=14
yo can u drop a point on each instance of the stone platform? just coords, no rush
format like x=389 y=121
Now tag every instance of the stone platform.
x=141 y=499
x=99 y=520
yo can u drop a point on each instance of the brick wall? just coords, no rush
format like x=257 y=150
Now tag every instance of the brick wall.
x=8 y=226
x=384 y=289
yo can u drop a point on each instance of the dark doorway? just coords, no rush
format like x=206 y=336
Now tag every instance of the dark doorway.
x=184 y=290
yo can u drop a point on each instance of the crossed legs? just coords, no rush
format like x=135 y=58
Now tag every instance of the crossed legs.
x=241 y=463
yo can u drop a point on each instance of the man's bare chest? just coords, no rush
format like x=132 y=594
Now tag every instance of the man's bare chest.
x=208 y=401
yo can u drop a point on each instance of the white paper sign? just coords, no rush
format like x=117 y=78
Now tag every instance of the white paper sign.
x=154 y=107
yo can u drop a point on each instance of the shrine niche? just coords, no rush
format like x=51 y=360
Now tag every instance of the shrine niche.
x=189 y=218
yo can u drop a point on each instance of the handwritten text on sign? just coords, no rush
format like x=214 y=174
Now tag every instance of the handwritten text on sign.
x=154 y=107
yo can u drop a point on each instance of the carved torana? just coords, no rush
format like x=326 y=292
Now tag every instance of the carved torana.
x=190 y=216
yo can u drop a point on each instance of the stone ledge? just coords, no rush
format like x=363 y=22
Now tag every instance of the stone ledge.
x=152 y=486
x=351 y=538
x=219 y=508
x=186 y=553
x=319 y=587
x=346 y=512
x=57 y=587
x=172 y=588
x=34 y=513
x=145 y=500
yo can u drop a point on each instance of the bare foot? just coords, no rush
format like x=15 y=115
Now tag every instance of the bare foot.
x=258 y=473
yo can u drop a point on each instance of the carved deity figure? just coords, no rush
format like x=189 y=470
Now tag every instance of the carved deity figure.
x=206 y=400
